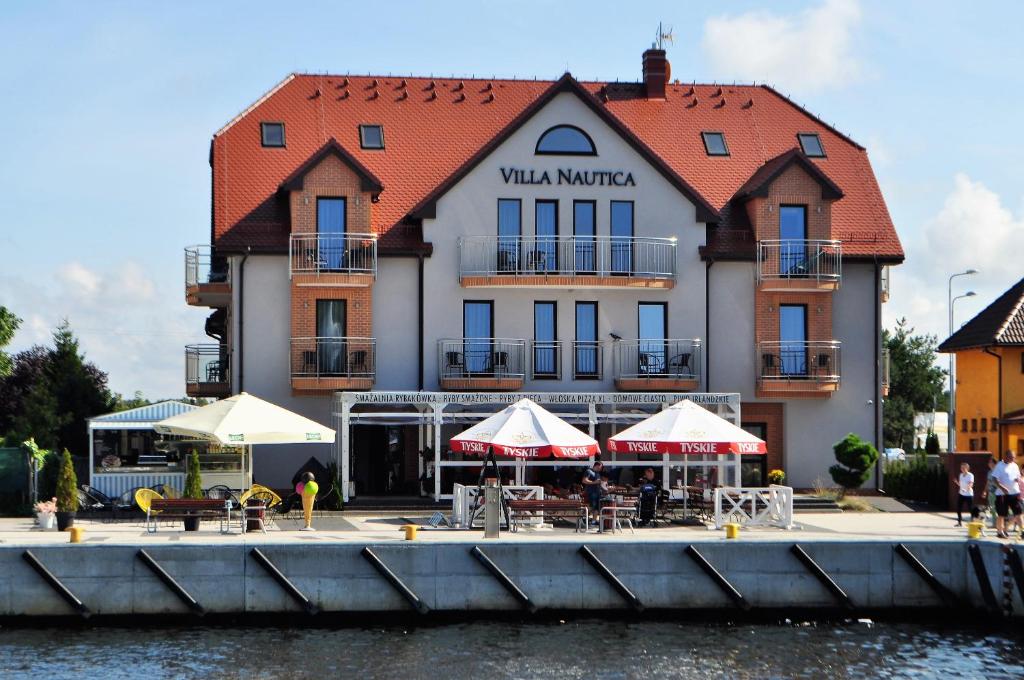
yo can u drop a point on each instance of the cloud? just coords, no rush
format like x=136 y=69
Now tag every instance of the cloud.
x=807 y=51
x=972 y=230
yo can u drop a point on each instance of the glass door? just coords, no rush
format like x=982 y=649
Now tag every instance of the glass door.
x=653 y=323
x=545 y=336
x=622 y=237
x=509 y=234
x=545 y=255
x=793 y=334
x=586 y=357
x=477 y=333
x=754 y=467
x=793 y=236
x=330 y=226
x=584 y=230
x=330 y=337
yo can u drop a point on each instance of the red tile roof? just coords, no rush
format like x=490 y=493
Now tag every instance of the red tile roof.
x=433 y=127
x=999 y=324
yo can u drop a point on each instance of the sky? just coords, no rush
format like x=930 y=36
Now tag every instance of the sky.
x=110 y=108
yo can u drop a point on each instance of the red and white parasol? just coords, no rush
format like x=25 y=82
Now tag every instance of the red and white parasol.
x=526 y=430
x=685 y=429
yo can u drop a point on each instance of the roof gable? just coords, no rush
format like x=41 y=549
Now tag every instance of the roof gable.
x=999 y=324
x=761 y=180
x=427 y=208
x=367 y=179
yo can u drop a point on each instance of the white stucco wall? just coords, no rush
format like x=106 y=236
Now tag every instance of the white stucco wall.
x=470 y=208
x=396 y=323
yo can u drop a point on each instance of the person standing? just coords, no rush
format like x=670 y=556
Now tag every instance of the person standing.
x=592 y=485
x=965 y=499
x=989 y=494
x=1007 y=476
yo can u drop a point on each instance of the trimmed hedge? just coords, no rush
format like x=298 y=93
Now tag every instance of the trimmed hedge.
x=915 y=479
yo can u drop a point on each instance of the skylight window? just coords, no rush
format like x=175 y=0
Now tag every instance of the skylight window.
x=371 y=136
x=565 y=140
x=810 y=143
x=714 y=143
x=272 y=134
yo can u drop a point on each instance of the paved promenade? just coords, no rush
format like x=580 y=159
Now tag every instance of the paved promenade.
x=378 y=527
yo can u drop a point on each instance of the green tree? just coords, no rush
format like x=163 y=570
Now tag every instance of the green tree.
x=856 y=457
x=120 y=403
x=193 y=478
x=915 y=383
x=67 y=485
x=8 y=325
x=931 y=444
x=80 y=389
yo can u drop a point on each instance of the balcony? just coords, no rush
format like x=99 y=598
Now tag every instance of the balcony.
x=207 y=278
x=481 y=363
x=798 y=369
x=799 y=265
x=320 y=364
x=660 y=365
x=567 y=262
x=885 y=371
x=342 y=260
x=207 y=371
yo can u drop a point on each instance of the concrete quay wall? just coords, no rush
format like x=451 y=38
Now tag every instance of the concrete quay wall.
x=447 y=577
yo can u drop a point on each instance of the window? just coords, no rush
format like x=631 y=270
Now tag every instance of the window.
x=984 y=424
x=545 y=254
x=545 y=341
x=963 y=425
x=793 y=236
x=810 y=144
x=622 y=237
x=984 y=444
x=272 y=134
x=714 y=143
x=974 y=424
x=652 y=322
x=509 y=234
x=565 y=140
x=371 y=136
x=993 y=428
x=330 y=337
x=477 y=334
x=972 y=444
x=584 y=230
x=330 y=226
x=586 y=355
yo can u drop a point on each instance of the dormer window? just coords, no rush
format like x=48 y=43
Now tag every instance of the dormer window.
x=810 y=144
x=272 y=134
x=565 y=140
x=371 y=136
x=714 y=143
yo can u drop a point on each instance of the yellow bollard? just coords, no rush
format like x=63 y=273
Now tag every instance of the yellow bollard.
x=76 y=534
x=732 y=530
x=410 y=531
x=974 y=529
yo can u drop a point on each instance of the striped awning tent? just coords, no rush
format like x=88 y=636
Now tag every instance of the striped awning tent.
x=141 y=418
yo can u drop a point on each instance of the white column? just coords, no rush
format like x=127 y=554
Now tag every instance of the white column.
x=438 y=419
x=343 y=464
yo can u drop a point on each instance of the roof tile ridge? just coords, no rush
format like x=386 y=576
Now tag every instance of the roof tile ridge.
x=810 y=115
x=249 y=109
x=411 y=76
x=1013 y=312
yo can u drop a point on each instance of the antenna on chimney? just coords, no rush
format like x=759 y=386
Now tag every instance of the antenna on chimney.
x=663 y=36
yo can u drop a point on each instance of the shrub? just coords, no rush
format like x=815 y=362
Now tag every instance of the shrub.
x=931 y=444
x=915 y=479
x=855 y=457
x=193 y=478
x=67 y=485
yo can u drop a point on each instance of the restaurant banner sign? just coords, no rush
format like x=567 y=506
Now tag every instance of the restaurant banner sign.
x=568 y=398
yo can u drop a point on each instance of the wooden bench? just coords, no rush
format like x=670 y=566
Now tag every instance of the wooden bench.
x=184 y=508
x=555 y=507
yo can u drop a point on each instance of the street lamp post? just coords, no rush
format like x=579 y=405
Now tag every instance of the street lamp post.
x=951 y=424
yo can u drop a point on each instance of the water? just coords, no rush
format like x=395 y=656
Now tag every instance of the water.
x=482 y=651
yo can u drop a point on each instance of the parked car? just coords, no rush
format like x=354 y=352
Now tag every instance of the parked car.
x=894 y=454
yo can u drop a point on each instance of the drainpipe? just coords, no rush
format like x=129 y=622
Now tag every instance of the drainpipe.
x=241 y=319
x=879 y=482
x=999 y=399
x=420 y=322
x=707 y=326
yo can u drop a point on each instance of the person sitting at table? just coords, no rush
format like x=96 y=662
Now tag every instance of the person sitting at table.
x=592 y=485
x=648 y=478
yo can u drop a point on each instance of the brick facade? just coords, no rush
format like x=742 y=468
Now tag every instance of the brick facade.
x=772 y=417
x=331 y=178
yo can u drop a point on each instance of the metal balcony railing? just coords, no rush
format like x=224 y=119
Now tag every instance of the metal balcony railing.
x=817 y=361
x=546 y=360
x=587 y=360
x=332 y=254
x=665 y=359
x=531 y=256
x=481 y=358
x=206 y=364
x=796 y=261
x=201 y=266
x=333 y=357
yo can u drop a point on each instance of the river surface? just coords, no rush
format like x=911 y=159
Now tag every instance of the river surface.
x=482 y=651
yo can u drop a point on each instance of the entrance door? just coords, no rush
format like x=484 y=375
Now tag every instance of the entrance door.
x=653 y=322
x=793 y=334
x=584 y=230
x=330 y=226
x=793 y=236
x=330 y=337
x=754 y=467
x=477 y=333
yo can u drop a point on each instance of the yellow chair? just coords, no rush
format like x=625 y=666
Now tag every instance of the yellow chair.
x=265 y=494
x=143 y=498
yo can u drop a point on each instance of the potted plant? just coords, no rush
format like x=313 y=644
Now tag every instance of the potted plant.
x=776 y=477
x=193 y=487
x=67 y=493
x=45 y=513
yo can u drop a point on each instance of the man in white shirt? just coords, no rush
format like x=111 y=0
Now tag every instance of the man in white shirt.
x=1007 y=476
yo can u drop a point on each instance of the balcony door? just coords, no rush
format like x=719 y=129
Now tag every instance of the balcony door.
x=477 y=333
x=584 y=231
x=793 y=334
x=622 y=237
x=330 y=227
x=510 y=232
x=653 y=325
x=793 y=237
x=586 y=356
x=545 y=254
x=545 y=337
x=330 y=337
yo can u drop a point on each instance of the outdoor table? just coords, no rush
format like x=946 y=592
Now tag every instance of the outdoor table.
x=615 y=509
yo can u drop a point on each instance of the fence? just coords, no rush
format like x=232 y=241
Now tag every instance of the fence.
x=754 y=507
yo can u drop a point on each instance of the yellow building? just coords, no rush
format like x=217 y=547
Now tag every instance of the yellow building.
x=989 y=353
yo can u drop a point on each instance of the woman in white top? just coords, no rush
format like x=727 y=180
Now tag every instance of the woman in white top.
x=966 y=495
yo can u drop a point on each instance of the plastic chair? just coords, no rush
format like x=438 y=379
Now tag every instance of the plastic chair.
x=144 y=498
x=263 y=493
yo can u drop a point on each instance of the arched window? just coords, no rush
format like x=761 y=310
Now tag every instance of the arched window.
x=566 y=140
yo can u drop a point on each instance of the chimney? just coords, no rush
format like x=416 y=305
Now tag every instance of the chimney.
x=656 y=73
